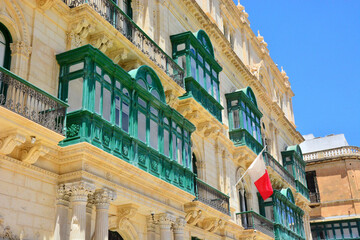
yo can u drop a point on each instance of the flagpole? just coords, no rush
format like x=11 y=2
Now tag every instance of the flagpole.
x=249 y=168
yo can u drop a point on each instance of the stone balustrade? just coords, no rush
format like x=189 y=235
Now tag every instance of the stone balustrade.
x=333 y=153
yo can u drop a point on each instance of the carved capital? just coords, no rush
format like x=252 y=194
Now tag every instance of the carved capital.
x=62 y=195
x=102 y=42
x=80 y=191
x=90 y=203
x=179 y=225
x=165 y=219
x=32 y=154
x=103 y=197
x=10 y=141
x=20 y=48
x=193 y=217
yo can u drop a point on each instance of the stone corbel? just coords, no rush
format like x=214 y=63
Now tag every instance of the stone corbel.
x=124 y=213
x=9 y=141
x=79 y=31
x=119 y=55
x=32 y=154
x=171 y=98
x=212 y=224
x=102 y=42
x=193 y=217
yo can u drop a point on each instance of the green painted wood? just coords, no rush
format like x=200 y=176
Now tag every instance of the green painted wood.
x=91 y=123
x=241 y=137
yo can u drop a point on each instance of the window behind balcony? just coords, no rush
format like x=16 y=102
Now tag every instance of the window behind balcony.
x=5 y=52
x=312 y=186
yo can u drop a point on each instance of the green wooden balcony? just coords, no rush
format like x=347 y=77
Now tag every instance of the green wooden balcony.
x=279 y=169
x=194 y=90
x=29 y=101
x=212 y=197
x=111 y=12
x=241 y=137
x=302 y=189
x=253 y=220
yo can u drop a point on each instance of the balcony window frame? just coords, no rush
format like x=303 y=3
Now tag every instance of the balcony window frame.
x=7 y=50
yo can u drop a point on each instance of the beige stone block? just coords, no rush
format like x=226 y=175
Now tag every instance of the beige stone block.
x=7 y=189
x=5 y=201
x=43 y=223
x=19 y=180
x=26 y=194
x=25 y=219
x=6 y=175
x=45 y=199
x=48 y=188
x=33 y=183
x=21 y=205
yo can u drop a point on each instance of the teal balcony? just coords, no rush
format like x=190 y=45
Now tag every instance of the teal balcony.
x=241 y=137
x=254 y=221
x=125 y=114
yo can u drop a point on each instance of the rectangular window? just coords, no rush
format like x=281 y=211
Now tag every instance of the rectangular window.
x=193 y=68
x=179 y=151
x=125 y=117
x=141 y=127
x=166 y=142
x=201 y=76
x=106 y=109
x=117 y=110
x=153 y=134
x=97 y=97
x=236 y=119
x=75 y=94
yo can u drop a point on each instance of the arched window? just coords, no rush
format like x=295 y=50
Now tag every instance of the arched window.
x=5 y=52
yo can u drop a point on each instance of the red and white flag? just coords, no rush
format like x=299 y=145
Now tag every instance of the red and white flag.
x=260 y=176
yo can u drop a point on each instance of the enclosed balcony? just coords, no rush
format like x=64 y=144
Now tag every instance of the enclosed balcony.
x=251 y=220
x=244 y=119
x=125 y=114
x=279 y=169
x=28 y=101
x=212 y=197
x=119 y=15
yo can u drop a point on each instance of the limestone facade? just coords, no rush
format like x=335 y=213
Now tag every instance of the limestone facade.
x=80 y=191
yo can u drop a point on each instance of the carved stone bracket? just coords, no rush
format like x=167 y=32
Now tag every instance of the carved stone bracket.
x=193 y=217
x=124 y=213
x=32 y=154
x=212 y=224
x=79 y=31
x=119 y=55
x=9 y=141
x=45 y=4
x=101 y=41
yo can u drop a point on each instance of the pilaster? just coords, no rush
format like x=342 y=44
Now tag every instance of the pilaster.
x=179 y=227
x=62 y=211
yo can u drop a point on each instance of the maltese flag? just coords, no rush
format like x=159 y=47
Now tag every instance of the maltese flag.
x=260 y=176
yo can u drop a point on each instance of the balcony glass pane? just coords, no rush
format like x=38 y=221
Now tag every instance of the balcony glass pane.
x=216 y=90
x=125 y=117
x=174 y=146
x=97 y=97
x=179 y=151
x=117 y=110
x=187 y=157
x=141 y=127
x=201 y=76
x=338 y=233
x=193 y=68
x=236 y=119
x=75 y=95
x=208 y=84
x=346 y=231
x=72 y=68
x=153 y=134
x=106 y=104
x=355 y=232
x=166 y=142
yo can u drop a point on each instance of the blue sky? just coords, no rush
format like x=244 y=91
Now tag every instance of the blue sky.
x=318 y=43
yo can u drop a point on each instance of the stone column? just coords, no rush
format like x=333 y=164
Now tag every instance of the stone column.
x=179 y=227
x=79 y=196
x=102 y=198
x=243 y=208
x=151 y=231
x=165 y=221
x=89 y=209
x=62 y=209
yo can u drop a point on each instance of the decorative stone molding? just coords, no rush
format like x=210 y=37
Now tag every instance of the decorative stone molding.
x=124 y=213
x=6 y=233
x=193 y=217
x=79 y=31
x=119 y=55
x=80 y=191
x=32 y=154
x=212 y=224
x=9 y=141
x=20 y=47
x=101 y=41
x=45 y=4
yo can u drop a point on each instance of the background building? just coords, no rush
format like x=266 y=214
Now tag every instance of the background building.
x=136 y=119
x=333 y=177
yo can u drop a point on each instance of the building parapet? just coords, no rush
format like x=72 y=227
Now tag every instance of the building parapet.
x=346 y=151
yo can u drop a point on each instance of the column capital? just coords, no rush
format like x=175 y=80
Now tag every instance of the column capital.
x=62 y=195
x=179 y=224
x=20 y=47
x=166 y=219
x=80 y=191
x=103 y=197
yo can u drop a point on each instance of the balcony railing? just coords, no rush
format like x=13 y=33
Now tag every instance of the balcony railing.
x=212 y=197
x=271 y=161
x=314 y=197
x=125 y=25
x=252 y=220
x=335 y=152
x=27 y=100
